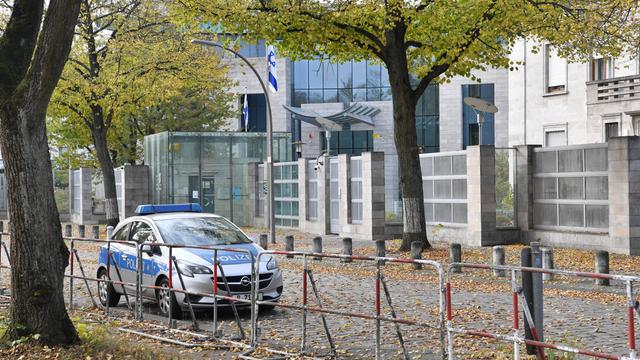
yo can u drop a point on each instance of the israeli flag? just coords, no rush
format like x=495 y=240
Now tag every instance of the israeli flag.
x=245 y=113
x=271 y=59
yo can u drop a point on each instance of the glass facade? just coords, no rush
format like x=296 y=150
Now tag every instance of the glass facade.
x=317 y=81
x=285 y=194
x=210 y=168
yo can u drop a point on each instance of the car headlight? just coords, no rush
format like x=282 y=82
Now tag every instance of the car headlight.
x=272 y=264
x=189 y=269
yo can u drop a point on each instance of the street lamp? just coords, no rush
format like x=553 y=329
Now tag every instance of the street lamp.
x=480 y=107
x=272 y=226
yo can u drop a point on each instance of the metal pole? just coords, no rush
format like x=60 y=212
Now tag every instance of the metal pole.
x=71 y=278
x=516 y=320
x=378 y=355
x=170 y=317
x=272 y=228
x=303 y=346
x=215 y=293
x=480 y=116
x=631 y=324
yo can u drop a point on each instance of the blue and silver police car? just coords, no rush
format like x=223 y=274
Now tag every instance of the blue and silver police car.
x=184 y=224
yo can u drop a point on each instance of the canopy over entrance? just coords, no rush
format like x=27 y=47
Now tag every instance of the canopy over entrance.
x=354 y=114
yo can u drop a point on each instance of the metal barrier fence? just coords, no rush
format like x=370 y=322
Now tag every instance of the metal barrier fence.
x=380 y=285
x=444 y=325
x=518 y=299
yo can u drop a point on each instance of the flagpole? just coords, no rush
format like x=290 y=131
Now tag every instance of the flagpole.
x=271 y=214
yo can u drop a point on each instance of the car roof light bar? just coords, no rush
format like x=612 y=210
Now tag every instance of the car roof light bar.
x=148 y=209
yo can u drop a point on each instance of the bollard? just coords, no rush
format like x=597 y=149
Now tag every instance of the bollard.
x=109 y=232
x=498 y=259
x=67 y=230
x=264 y=241
x=380 y=248
x=347 y=248
x=416 y=253
x=602 y=267
x=547 y=262
x=95 y=232
x=288 y=244
x=317 y=247
x=455 y=256
x=81 y=231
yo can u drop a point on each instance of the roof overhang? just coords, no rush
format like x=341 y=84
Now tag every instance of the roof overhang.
x=356 y=113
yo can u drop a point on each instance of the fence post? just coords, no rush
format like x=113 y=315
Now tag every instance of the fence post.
x=416 y=253
x=538 y=304
x=527 y=289
x=547 y=262
x=347 y=248
x=498 y=259
x=317 y=247
x=81 y=231
x=264 y=241
x=602 y=267
x=288 y=244
x=455 y=256
x=95 y=232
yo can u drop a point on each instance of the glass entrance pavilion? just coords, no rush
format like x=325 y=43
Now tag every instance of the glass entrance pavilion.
x=214 y=169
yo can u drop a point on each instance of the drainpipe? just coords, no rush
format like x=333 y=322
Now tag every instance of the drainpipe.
x=524 y=106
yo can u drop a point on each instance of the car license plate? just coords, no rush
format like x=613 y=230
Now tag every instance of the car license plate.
x=246 y=296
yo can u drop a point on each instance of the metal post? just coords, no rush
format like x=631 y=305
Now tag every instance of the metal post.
x=527 y=288
x=255 y=271
x=449 y=319
x=317 y=247
x=498 y=259
x=516 y=320
x=171 y=288
x=602 y=267
x=139 y=285
x=416 y=254
x=215 y=293
x=303 y=347
x=631 y=326
x=106 y=308
x=378 y=355
x=480 y=117
x=272 y=227
x=264 y=243
x=71 y=277
x=347 y=248
x=547 y=262
x=380 y=248
x=538 y=305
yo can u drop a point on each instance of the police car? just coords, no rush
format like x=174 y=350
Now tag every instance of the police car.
x=184 y=224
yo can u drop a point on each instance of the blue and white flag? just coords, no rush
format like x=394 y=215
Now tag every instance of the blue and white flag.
x=245 y=113
x=271 y=59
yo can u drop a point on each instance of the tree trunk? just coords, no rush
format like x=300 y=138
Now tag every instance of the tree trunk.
x=404 y=108
x=106 y=165
x=38 y=254
x=28 y=76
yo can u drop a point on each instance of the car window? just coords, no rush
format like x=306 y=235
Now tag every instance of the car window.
x=200 y=231
x=141 y=232
x=122 y=234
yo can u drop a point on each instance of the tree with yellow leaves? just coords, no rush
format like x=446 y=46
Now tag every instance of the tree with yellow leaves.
x=420 y=42
x=130 y=69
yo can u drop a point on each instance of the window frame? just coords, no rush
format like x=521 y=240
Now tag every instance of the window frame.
x=545 y=74
x=555 y=128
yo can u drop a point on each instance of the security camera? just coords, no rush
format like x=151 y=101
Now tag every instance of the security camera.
x=316 y=167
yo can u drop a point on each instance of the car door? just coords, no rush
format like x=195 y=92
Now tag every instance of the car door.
x=141 y=233
x=120 y=255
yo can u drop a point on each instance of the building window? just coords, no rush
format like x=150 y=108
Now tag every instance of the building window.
x=257 y=113
x=555 y=72
x=611 y=129
x=312 y=191
x=471 y=129
x=601 y=69
x=555 y=137
x=348 y=142
x=428 y=120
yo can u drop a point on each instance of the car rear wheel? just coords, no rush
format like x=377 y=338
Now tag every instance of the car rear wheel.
x=106 y=292
x=167 y=301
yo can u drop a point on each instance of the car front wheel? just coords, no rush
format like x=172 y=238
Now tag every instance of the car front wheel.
x=106 y=292
x=167 y=302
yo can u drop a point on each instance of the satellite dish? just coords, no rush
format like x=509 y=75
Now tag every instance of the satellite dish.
x=328 y=125
x=480 y=105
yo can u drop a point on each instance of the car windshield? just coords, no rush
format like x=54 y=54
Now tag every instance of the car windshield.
x=200 y=231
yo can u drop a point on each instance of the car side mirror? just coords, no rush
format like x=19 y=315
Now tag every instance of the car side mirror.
x=147 y=249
